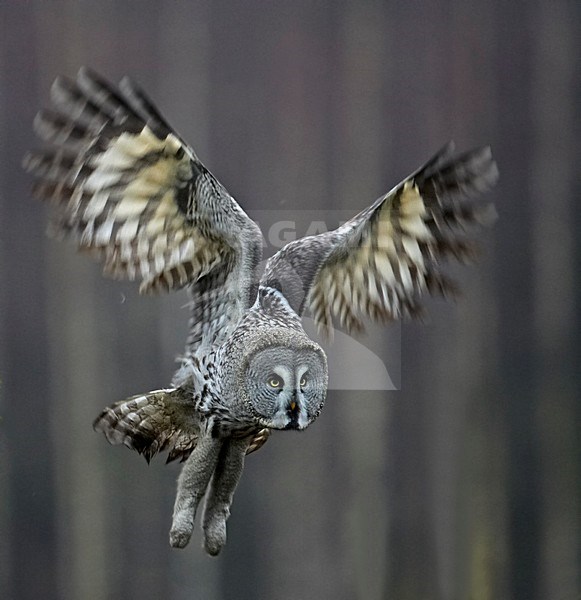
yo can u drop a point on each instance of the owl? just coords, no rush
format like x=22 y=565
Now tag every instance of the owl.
x=128 y=190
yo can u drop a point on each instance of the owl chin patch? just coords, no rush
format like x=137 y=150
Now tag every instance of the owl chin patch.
x=293 y=414
x=293 y=424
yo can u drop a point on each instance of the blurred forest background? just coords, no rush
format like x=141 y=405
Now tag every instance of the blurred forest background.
x=464 y=484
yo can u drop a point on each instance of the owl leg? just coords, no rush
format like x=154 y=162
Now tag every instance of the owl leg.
x=221 y=492
x=192 y=484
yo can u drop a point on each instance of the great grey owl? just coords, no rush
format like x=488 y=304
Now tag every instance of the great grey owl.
x=129 y=191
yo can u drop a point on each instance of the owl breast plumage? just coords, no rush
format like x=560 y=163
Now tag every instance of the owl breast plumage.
x=128 y=190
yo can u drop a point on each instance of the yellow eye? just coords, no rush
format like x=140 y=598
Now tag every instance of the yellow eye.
x=303 y=382
x=274 y=381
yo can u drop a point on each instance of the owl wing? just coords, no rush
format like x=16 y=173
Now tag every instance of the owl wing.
x=162 y=420
x=380 y=263
x=129 y=191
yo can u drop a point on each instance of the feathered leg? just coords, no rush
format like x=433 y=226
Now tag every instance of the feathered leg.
x=221 y=492
x=192 y=484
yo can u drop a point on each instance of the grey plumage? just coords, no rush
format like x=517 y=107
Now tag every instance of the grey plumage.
x=129 y=191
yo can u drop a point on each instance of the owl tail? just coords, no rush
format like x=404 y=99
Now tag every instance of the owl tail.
x=153 y=422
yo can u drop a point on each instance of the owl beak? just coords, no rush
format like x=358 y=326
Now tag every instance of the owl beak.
x=293 y=411
x=293 y=405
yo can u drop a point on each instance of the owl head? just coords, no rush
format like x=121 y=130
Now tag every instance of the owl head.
x=281 y=377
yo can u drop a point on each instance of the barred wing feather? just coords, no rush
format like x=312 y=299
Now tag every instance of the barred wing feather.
x=132 y=193
x=161 y=420
x=379 y=264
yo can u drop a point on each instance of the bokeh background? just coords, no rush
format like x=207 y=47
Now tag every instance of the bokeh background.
x=464 y=484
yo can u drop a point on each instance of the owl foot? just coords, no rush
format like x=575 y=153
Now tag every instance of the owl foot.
x=181 y=531
x=192 y=484
x=215 y=535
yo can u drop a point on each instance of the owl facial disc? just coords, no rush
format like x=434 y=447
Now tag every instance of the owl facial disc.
x=286 y=385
